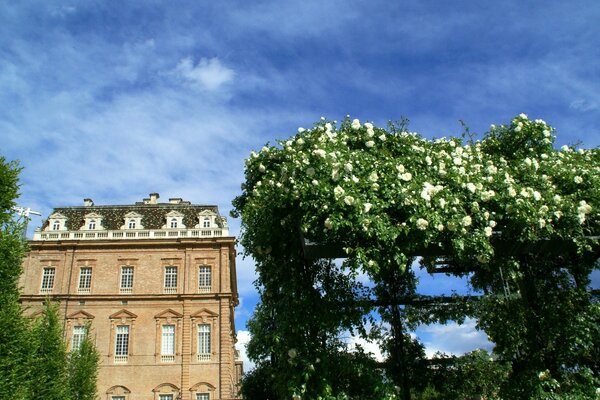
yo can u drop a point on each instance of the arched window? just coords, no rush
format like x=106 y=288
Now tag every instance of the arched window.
x=174 y=223
x=56 y=225
x=206 y=223
x=92 y=224
x=132 y=224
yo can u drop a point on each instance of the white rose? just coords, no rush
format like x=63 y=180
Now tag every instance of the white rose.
x=370 y=143
x=355 y=124
x=422 y=224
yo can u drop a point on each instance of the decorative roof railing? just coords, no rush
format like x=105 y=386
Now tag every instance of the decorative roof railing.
x=131 y=234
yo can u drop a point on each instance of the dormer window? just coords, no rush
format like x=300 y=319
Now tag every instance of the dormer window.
x=93 y=222
x=56 y=222
x=174 y=220
x=132 y=220
x=207 y=219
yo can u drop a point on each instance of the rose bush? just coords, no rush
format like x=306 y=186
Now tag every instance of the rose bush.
x=385 y=195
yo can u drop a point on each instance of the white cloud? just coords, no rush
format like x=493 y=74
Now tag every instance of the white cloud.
x=452 y=338
x=208 y=73
x=372 y=347
x=583 y=105
x=243 y=338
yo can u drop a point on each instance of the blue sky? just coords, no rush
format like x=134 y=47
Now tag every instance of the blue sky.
x=114 y=100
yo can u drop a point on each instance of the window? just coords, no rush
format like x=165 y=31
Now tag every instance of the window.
x=92 y=225
x=117 y=398
x=132 y=224
x=48 y=280
x=78 y=336
x=206 y=223
x=174 y=223
x=170 y=279
x=204 y=279
x=203 y=342
x=168 y=343
x=56 y=225
x=126 y=279
x=202 y=396
x=165 y=397
x=85 y=280
x=122 y=344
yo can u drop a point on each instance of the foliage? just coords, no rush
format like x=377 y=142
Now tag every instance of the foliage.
x=83 y=369
x=510 y=207
x=14 y=352
x=33 y=360
x=469 y=376
x=49 y=372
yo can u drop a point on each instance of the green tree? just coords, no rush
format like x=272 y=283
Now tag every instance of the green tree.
x=14 y=349
x=49 y=372
x=83 y=369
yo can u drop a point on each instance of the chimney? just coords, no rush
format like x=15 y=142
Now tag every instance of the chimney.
x=88 y=202
x=153 y=198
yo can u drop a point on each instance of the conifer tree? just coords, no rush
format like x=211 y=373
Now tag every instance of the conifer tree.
x=14 y=352
x=49 y=374
x=83 y=369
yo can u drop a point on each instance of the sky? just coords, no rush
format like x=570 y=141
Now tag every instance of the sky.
x=115 y=100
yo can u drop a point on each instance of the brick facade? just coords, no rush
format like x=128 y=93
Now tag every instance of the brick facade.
x=161 y=309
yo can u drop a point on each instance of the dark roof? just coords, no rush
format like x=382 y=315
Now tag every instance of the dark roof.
x=153 y=215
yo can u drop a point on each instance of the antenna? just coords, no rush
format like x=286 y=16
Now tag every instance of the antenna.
x=25 y=213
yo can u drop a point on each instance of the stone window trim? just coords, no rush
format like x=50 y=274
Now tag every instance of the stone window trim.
x=203 y=388
x=77 y=318
x=167 y=317
x=204 y=317
x=166 y=389
x=121 y=318
x=207 y=219
x=118 y=392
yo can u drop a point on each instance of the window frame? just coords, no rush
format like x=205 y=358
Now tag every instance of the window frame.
x=170 y=281
x=204 y=279
x=48 y=279
x=84 y=284
x=204 y=341
x=167 y=348
x=77 y=338
x=122 y=347
x=126 y=279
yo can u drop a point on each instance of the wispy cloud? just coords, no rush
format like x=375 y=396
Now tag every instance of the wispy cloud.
x=208 y=73
x=452 y=338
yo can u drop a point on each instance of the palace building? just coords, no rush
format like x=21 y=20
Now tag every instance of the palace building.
x=156 y=284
